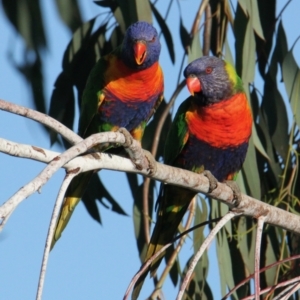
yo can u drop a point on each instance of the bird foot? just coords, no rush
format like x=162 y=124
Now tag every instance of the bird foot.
x=151 y=162
x=237 y=195
x=213 y=182
x=128 y=137
x=138 y=156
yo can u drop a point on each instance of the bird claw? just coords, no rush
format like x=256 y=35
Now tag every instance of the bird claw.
x=127 y=136
x=237 y=195
x=151 y=162
x=141 y=158
x=213 y=182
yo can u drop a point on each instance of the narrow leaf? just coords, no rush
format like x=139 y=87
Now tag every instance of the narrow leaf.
x=255 y=19
x=165 y=31
x=70 y=13
x=291 y=77
x=195 y=51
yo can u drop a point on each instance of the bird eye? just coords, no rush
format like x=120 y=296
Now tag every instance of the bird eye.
x=153 y=39
x=208 y=70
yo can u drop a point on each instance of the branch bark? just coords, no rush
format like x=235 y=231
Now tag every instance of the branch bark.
x=149 y=167
x=197 y=182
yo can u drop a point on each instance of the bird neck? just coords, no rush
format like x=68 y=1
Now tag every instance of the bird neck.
x=129 y=84
x=224 y=124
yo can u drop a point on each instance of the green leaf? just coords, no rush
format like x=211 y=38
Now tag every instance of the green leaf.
x=251 y=173
x=184 y=36
x=201 y=269
x=228 y=53
x=225 y=263
x=150 y=130
x=273 y=170
x=80 y=37
x=257 y=143
x=120 y=19
x=195 y=50
x=246 y=242
x=133 y=11
x=245 y=5
x=277 y=119
x=200 y=216
x=240 y=25
x=219 y=18
x=281 y=44
x=143 y=10
x=250 y=9
x=70 y=13
x=107 y=3
x=165 y=31
x=224 y=210
x=248 y=69
x=198 y=287
x=27 y=19
x=62 y=104
x=255 y=19
x=291 y=77
x=138 y=215
x=270 y=253
x=267 y=15
x=96 y=191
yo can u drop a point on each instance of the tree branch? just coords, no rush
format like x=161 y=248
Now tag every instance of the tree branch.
x=201 y=250
x=67 y=133
x=51 y=230
x=197 y=182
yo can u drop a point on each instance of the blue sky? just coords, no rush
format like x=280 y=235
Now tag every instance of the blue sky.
x=90 y=261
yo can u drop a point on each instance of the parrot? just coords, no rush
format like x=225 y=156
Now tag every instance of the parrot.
x=123 y=90
x=210 y=132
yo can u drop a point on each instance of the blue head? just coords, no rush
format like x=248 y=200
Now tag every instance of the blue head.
x=211 y=79
x=141 y=46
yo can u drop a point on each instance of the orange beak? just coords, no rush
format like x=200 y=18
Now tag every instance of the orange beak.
x=139 y=52
x=193 y=84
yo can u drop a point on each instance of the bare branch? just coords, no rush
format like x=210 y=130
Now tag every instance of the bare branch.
x=279 y=285
x=260 y=224
x=178 y=247
x=249 y=206
x=9 y=206
x=68 y=134
x=51 y=230
x=268 y=289
x=203 y=247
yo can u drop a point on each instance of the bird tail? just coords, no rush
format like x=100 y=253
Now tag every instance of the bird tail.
x=173 y=203
x=73 y=195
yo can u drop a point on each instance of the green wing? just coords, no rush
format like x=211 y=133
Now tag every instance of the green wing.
x=93 y=96
x=178 y=134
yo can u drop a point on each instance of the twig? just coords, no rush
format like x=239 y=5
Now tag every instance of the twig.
x=277 y=263
x=154 y=152
x=260 y=224
x=51 y=229
x=46 y=120
x=207 y=30
x=145 y=266
x=176 y=251
x=287 y=292
x=279 y=285
x=201 y=250
x=171 y=175
x=36 y=184
x=143 y=269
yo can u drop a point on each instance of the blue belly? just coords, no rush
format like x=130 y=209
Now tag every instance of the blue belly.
x=220 y=162
x=126 y=114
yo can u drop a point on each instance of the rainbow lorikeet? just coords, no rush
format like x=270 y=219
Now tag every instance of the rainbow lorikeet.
x=123 y=90
x=210 y=131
